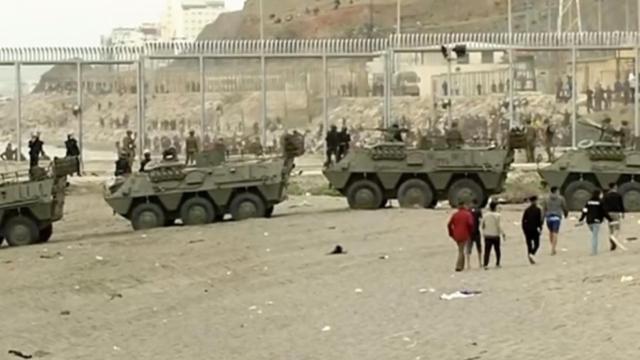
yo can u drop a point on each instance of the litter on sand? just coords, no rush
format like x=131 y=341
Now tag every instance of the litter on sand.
x=618 y=243
x=625 y=279
x=462 y=294
x=338 y=250
x=358 y=291
x=20 y=354
x=99 y=258
x=326 y=328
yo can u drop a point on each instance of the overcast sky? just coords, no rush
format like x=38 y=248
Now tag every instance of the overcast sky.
x=73 y=22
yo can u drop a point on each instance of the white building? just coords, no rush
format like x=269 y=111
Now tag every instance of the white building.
x=185 y=19
x=129 y=36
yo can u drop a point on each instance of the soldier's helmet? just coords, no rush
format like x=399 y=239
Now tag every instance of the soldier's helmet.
x=454 y=124
x=192 y=133
x=129 y=132
x=606 y=120
x=333 y=128
x=624 y=122
x=528 y=122
x=395 y=126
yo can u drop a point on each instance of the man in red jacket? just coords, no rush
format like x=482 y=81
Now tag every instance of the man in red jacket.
x=461 y=227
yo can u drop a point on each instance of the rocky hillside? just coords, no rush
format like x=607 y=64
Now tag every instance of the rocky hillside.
x=368 y=18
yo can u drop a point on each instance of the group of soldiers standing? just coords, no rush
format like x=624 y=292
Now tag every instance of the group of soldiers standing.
x=127 y=153
x=338 y=144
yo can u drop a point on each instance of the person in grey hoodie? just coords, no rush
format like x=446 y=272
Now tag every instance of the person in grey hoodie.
x=554 y=209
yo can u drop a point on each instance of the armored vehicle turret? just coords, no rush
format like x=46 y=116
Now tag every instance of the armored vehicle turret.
x=595 y=165
x=31 y=201
x=206 y=192
x=369 y=177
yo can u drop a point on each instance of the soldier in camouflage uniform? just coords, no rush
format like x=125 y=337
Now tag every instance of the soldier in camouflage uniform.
x=607 y=132
x=129 y=146
x=454 y=137
x=192 y=147
x=530 y=137
x=549 y=135
x=626 y=139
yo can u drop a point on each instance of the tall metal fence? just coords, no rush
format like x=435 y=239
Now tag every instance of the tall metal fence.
x=254 y=90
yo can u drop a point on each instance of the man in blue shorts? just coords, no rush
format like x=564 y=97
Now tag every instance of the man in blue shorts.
x=555 y=209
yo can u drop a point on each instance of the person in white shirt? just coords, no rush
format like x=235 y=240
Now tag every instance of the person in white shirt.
x=493 y=234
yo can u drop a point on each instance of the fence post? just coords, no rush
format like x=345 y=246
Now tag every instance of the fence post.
x=512 y=108
x=141 y=106
x=574 y=95
x=19 y=110
x=325 y=97
x=203 y=100
x=636 y=115
x=386 y=92
x=263 y=66
x=80 y=111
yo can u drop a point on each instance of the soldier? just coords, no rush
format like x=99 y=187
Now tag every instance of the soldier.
x=607 y=132
x=454 y=137
x=625 y=134
x=344 y=140
x=549 y=135
x=129 y=145
x=530 y=138
x=332 y=141
x=36 y=149
x=9 y=153
x=73 y=150
x=191 y=144
x=394 y=133
x=170 y=154
x=145 y=160
x=123 y=166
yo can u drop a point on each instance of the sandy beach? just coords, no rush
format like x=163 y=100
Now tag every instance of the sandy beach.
x=265 y=289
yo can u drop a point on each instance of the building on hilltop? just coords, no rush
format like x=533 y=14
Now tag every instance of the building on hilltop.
x=185 y=19
x=132 y=36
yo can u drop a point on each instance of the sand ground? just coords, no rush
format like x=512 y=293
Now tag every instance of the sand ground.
x=265 y=289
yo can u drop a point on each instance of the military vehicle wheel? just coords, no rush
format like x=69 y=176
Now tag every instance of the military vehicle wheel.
x=365 y=195
x=415 y=193
x=197 y=211
x=631 y=196
x=147 y=216
x=246 y=206
x=465 y=190
x=578 y=193
x=21 y=231
x=269 y=213
x=45 y=233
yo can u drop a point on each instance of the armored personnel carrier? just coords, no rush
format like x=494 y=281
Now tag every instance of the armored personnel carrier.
x=206 y=192
x=418 y=178
x=594 y=165
x=31 y=201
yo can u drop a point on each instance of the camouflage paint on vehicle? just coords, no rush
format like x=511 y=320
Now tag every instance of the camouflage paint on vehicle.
x=419 y=178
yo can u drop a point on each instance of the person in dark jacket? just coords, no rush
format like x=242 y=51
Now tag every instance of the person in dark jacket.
x=344 y=141
x=614 y=206
x=73 y=150
x=532 y=227
x=332 y=143
x=146 y=159
x=123 y=166
x=36 y=149
x=594 y=214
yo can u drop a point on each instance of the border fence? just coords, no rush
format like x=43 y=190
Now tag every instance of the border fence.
x=322 y=51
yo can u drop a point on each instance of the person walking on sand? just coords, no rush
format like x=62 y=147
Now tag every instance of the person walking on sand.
x=554 y=209
x=493 y=234
x=594 y=213
x=476 y=237
x=460 y=229
x=532 y=227
x=614 y=206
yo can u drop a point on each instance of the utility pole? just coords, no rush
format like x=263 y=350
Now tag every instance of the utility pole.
x=599 y=15
x=627 y=19
x=399 y=17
